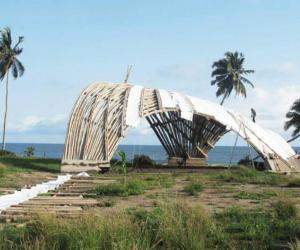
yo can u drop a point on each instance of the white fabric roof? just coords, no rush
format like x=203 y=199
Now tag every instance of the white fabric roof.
x=265 y=141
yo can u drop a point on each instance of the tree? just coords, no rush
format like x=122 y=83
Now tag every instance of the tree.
x=29 y=151
x=229 y=74
x=9 y=62
x=293 y=117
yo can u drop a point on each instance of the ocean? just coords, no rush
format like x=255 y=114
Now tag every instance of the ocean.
x=218 y=155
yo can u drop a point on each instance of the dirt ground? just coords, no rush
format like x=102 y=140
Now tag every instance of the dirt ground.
x=215 y=197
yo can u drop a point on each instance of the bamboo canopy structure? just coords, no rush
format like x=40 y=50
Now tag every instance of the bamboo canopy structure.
x=186 y=126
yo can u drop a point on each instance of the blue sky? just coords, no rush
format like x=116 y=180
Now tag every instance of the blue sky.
x=171 y=44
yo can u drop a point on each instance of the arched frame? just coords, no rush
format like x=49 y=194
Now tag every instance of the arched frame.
x=98 y=123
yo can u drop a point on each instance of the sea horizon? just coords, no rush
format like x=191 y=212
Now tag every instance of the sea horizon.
x=220 y=154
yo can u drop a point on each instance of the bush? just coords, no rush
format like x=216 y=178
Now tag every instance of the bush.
x=193 y=188
x=142 y=161
x=6 y=153
x=29 y=151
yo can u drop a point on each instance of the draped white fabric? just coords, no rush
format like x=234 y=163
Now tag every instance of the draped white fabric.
x=29 y=193
x=265 y=141
x=133 y=106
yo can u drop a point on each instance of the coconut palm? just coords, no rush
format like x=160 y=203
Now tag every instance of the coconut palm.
x=293 y=120
x=9 y=62
x=229 y=74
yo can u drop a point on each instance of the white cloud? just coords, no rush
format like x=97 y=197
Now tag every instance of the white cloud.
x=270 y=104
x=34 y=123
x=279 y=71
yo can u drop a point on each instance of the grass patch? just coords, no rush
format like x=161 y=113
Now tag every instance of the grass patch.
x=254 y=196
x=159 y=181
x=257 y=229
x=135 y=185
x=13 y=168
x=193 y=188
x=131 y=187
x=248 y=175
x=294 y=183
x=3 y=169
x=107 y=203
x=172 y=225
x=22 y=164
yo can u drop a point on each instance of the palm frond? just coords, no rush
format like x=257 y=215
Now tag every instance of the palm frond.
x=9 y=54
x=14 y=70
x=228 y=74
x=243 y=79
x=20 y=67
x=293 y=118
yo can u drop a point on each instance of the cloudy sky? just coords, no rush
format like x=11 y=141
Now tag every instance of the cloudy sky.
x=171 y=44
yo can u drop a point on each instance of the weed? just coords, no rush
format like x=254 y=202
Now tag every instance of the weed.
x=285 y=209
x=254 y=196
x=159 y=181
x=132 y=187
x=107 y=203
x=193 y=188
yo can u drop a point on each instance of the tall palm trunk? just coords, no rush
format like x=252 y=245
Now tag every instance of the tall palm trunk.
x=5 y=113
x=224 y=97
x=294 y=138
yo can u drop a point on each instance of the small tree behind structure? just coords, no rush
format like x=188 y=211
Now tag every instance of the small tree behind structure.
x=143 y=161
x=29 y=151
x=123 y=162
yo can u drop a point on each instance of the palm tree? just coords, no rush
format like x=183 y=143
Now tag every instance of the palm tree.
x=228 y=74
x=9 y=62
x=294 y=120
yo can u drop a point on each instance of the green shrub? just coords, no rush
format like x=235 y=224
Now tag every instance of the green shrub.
x=159 y=181
x=132 y=187
x=193 y=188
x=29 y=151
x=285 y=209
x=6 y=153
x=142 y=161
x=254 y=196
